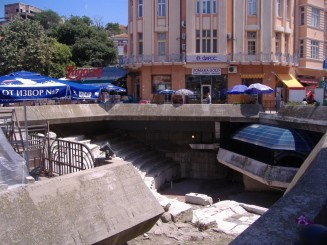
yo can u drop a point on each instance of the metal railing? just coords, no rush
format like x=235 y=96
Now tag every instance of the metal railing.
x=148 y=59
x=241 y=57
x=63 y=157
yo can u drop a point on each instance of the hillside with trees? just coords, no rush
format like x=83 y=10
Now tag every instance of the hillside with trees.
x=48 y=43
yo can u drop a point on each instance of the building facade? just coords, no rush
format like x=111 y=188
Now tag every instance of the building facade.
x=24 y=10
x=208 y=46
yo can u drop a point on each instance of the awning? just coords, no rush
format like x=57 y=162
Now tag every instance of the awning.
x=309 y=81
x=252 y=76
x=290 y=81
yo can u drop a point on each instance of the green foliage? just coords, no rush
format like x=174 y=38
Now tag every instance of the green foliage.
x=61 y=58
x=113 y=29
x=24 y=46
x=46 y=45
x=90 y=45
x=48 y=19
x=92 y=52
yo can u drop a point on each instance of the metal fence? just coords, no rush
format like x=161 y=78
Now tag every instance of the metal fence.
x=60 y=157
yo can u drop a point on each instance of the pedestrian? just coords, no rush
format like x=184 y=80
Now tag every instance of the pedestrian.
x=209 y=99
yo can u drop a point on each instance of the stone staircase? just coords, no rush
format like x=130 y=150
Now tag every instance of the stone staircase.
x=154 y=167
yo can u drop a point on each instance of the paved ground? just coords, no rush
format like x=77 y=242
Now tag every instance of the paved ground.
x=219 y=190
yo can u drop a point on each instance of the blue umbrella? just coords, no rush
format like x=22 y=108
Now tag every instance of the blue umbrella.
x=258 y=88
x=166 y=91
x=108 y=87
x=276 y=138
x=24 y=86
x=238 y=89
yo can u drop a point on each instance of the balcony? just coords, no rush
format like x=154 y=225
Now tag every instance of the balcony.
x=151 y=59
x=263 y=58
x=237 y=58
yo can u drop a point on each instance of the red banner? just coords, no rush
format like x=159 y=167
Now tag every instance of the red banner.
x=73 y=73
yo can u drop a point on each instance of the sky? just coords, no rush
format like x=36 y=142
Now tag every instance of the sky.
x=115 y=11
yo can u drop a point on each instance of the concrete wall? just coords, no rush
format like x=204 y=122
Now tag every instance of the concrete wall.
x=308 y=197
x=75 y=113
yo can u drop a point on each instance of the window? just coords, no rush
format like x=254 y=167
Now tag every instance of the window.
x=161 y=82
x=325 y=52
x=302 y=16
x=162 y=44
x=277 y=43
x=161 y=7
x=315 y=17
x=197 y=41
x=140 y=43
x=198 y=7
x=214 y=6
x=140 y=8
x=314 y=49
x=206 y=41
x=301 y=54
x=278 y=8
x=288 y=9
x=214 y=42
x=206 y=5
x=252 y=7
x=252 y=40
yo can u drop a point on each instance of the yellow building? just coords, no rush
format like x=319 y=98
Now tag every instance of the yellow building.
x=208 y=46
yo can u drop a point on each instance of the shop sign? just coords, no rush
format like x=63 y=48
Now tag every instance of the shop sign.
x=206 y=71
x=82 y=73
x=206 y=58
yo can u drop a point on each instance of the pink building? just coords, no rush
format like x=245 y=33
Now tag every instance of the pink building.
x=208 y=46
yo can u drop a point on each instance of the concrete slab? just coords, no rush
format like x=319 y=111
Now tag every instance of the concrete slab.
x=106 y=205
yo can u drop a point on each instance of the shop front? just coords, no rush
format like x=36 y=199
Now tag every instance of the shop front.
x=204 y=82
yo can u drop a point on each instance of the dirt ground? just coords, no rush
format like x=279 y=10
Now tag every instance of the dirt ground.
x=219 y=190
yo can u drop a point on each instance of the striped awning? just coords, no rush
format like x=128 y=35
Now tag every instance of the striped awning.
x=252 y=76
x=290 y=81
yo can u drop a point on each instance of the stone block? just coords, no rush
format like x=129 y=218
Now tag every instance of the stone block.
x=29 y=180
x=98 y=205
x=180 y=212
x=198 y=199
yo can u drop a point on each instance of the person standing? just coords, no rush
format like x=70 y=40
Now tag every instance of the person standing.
x=209 y=99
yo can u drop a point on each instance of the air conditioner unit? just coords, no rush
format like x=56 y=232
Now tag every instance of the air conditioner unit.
x=183 y=47
x=232 y=69
x=183 y=23
x=229 y=36
x=183 y=36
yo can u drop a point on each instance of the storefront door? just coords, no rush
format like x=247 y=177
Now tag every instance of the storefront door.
x=205 y=90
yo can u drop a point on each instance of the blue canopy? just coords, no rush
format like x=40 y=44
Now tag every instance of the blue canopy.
x=166 y=91
x=258 y=88
x=276 y=138
x=24 y=85
x=107 y=87
x=238 y=89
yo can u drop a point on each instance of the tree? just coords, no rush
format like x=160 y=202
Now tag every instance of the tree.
x=90 y=45
x=113 y=29
x=60 y=60
x=24 y=46
x=48 y=19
